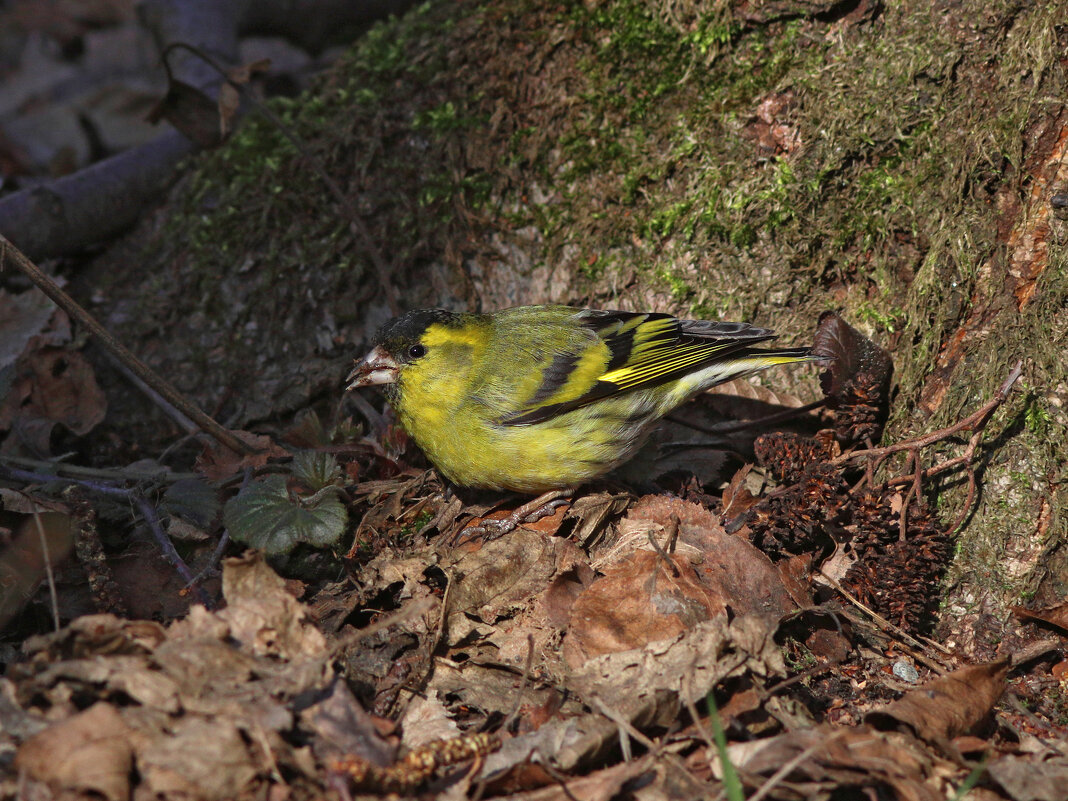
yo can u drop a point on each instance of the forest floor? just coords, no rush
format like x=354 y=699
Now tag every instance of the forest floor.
x=849 y=582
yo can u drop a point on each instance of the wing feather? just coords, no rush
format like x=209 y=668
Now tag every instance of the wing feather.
x=640 y=351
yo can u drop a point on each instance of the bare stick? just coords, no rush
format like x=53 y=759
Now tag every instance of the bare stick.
x=908 y=642
x=9 y=252
x=527 y=668
x=974 y=422
x=47 y=557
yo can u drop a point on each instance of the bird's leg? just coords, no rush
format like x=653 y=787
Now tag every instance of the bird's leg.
x=542 y=506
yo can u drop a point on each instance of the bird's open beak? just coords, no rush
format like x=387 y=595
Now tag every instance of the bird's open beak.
x=377 y=367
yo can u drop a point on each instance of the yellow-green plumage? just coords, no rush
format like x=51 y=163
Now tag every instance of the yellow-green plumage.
x=545 y=397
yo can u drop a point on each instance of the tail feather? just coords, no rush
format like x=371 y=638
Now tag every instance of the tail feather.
x=739 y=365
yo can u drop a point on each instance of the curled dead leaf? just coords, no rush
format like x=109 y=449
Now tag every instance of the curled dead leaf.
x=857 y=379
x=950 y=706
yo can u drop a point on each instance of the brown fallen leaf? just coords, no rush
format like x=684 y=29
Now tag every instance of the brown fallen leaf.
x=601 y=785
x=342 y=726
x=22 y=317
x=263 y=616
x=950 y=706
x=199 y=758
x=217 y=462
x=885 y=765
x=1056 y=615
x=1029 y=780
x=503 y=574
x=230 y=96
x=27 y=554
x=53 y=386
x=90 y=752
x=192 y=112
x=645 y=595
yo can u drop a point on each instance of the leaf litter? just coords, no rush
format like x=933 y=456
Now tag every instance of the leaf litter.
x=573 y=657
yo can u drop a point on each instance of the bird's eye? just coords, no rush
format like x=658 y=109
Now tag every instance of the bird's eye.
x=415 y=351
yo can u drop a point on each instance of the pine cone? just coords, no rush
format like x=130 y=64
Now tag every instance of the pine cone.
x=898 y=578
x=786 y=454
x=803 y=517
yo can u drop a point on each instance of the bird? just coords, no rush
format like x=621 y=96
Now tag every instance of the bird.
x=544 y=399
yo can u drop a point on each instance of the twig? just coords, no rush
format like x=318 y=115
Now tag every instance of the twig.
x=673 y=532
x=662 y=555
x=967 y=508
x=909 y=642
x=46 y=556
x=9 y=252
x=937 y=646
x=148 y=512
x=975 y=421
x=356 y=223
x=180 y=419
x=527 y=668
x=162 y=476
x=691 y=707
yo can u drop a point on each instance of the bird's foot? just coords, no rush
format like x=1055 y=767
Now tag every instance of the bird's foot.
x=542 y=506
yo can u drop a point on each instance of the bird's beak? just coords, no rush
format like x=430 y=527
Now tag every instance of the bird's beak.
x=377 y=367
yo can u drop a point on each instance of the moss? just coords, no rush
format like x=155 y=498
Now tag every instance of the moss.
x=628 y=145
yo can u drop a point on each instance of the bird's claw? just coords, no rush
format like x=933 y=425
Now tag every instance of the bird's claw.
x=490 y=530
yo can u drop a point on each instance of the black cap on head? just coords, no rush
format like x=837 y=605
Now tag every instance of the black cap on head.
x=408 y=328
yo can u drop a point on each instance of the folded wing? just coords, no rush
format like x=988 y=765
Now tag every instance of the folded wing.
x=636 y=351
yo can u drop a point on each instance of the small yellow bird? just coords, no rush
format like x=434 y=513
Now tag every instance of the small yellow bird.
x=540 y=398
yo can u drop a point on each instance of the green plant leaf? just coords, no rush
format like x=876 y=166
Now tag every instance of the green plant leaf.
x=265 y=515
x=316 y=469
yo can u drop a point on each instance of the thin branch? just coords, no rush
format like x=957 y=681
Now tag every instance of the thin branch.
x=148 y=513
x=47 y=557
x=907 y=641
x=974 y=422
x=161 y=476
x=10 y=253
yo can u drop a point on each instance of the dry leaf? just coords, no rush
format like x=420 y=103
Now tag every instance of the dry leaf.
x=53 y=385
x=856 y=381
x=342 y=726
x=1030 y=780
x=1056 y=615
x=90 y=752
x=503 y=574
x=263 y=616
x=217 y=462
x=949 y=706
x=200 y=759
x=644 y=596
x=191 y=112
x=848 y=759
